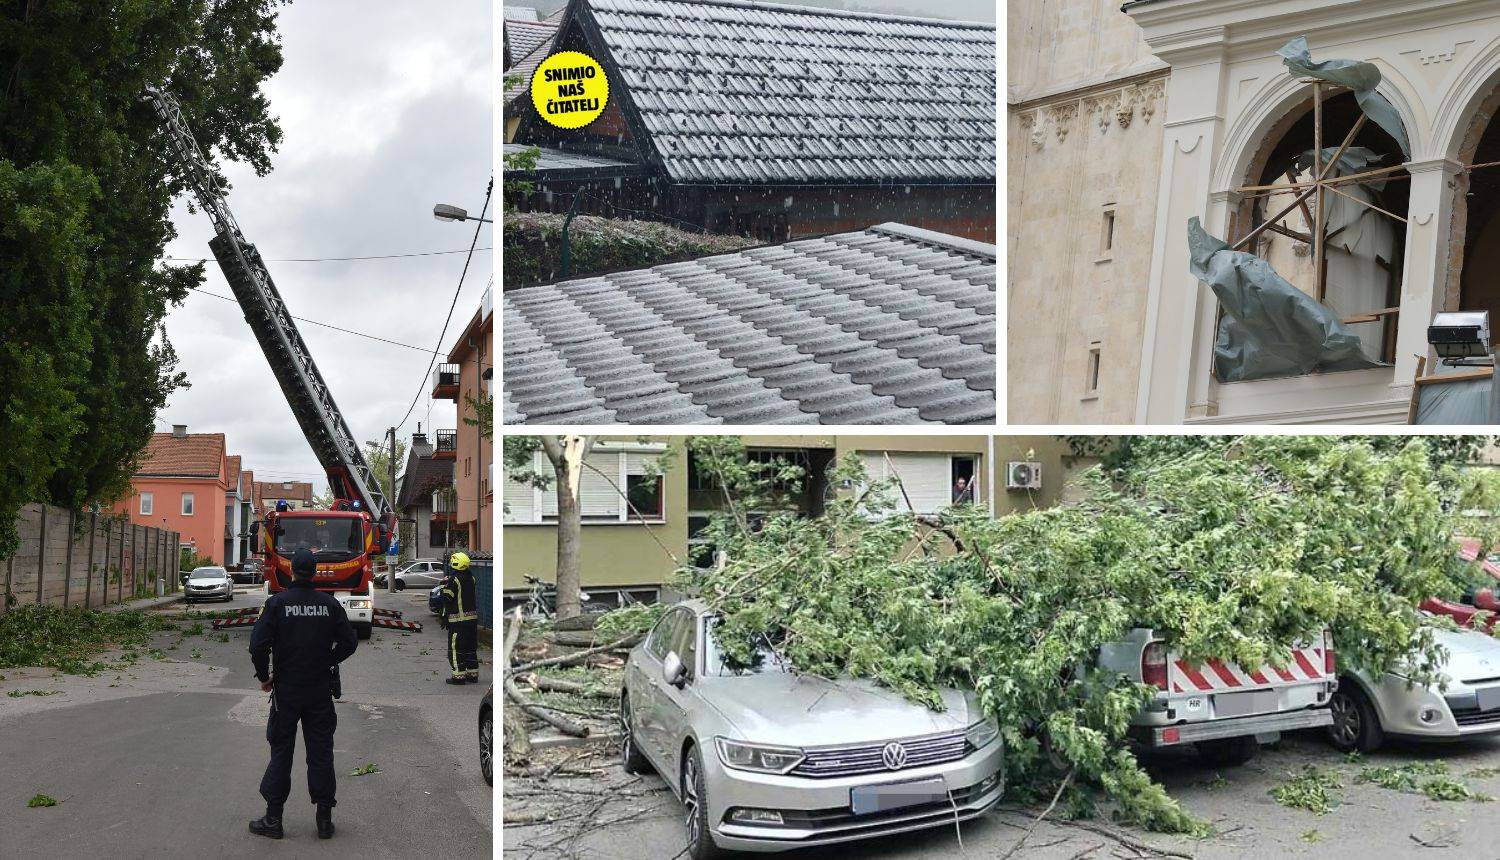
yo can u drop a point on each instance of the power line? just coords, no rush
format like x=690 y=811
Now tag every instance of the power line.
x=323 y=324
x=343 y=259
x=479 y=225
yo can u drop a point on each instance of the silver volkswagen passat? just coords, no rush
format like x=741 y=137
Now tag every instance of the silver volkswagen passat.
x=764 y=758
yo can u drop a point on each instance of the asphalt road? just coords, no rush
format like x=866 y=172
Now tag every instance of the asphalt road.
x=1369 y=821
x=164 y=758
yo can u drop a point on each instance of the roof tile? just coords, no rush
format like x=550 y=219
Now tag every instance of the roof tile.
x=888 y=325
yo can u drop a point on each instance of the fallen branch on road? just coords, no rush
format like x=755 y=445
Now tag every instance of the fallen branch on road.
x=534 y=771
x=577 y=657
x=573 y=639
x=1056 y=796
x=555 y=685
x=524 y=818
x=543 y=713
x=1120 y=836
x=516 y=736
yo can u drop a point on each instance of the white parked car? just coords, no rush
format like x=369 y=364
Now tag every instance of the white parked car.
x=1366 y=710
x=208 y=583
x=421 y=573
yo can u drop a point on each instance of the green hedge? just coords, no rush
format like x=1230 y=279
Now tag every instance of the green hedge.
x=533 y=246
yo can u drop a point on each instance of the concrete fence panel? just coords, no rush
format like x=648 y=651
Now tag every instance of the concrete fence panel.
x=68 y=558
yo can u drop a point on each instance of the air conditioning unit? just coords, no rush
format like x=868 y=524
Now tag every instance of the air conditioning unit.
x=1023 y=475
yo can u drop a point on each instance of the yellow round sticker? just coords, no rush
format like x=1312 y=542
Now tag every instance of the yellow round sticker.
x=569 y=89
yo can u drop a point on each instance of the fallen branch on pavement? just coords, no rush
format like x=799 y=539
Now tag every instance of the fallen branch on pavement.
x=573 y=639
x=523 y=818
x=577 y=657
x=1119 y=836
x=1056 y=796
x=543 y=713
x=516 y=736
x=541 y=772
x=554 y=685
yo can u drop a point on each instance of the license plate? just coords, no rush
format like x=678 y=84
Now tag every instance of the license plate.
x=1242 y=704
x=865 y=799
x=1489 y=698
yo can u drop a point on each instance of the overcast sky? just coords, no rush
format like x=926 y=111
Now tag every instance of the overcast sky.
x=385 y=111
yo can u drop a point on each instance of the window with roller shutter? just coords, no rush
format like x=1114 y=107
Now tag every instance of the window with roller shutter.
x=927 y=479
x=607 y=473
x=520 y=502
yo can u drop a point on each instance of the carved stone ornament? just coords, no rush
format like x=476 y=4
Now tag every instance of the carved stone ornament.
x=1104 y=108
x=1062 y=117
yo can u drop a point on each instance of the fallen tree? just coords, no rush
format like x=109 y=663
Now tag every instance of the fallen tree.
x=1232 y=547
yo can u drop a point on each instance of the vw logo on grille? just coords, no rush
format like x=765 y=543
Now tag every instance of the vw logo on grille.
x=894 y=756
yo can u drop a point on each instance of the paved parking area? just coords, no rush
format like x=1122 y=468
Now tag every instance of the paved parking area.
x=164 y=758
x=1369 y=820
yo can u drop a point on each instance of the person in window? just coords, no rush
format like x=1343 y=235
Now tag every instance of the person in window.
x=961 y=491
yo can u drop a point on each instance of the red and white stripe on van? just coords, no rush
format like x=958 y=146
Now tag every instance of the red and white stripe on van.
x=1313 y=663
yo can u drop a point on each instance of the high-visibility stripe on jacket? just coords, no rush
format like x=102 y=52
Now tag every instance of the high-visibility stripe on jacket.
x=458 y=597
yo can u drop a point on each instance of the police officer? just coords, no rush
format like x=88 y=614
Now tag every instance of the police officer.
x=304 y=634
x=462 y=621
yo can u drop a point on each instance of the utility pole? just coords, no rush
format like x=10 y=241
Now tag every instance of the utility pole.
x=390 y=574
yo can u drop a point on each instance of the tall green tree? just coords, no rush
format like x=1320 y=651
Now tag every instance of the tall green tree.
x=1234 y=548
x=85 y=198
x=378 y=455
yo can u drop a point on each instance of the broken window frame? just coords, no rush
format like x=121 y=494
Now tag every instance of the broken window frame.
x=1311 y=198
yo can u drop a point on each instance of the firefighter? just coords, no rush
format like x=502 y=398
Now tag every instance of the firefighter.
x=462 y=621
x=304 y=634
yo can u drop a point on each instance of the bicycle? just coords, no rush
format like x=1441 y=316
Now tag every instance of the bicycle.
x=541 y=602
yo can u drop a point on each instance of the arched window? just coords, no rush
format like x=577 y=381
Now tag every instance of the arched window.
x=1475 y=273
x=1364 y=218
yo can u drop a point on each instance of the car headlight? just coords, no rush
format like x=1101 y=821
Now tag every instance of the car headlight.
x=359 y=604
x=763 y=759
x=982 y=733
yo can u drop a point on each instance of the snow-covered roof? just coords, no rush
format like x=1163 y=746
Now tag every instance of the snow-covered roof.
x=728 y=91
x=890 y=325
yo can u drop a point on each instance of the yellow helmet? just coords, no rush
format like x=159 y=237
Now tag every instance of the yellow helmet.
x=458 y=561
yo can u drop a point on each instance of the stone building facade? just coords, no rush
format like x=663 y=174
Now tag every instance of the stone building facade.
x=1135 y=320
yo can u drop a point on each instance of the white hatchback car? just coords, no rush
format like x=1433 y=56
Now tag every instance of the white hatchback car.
x=764 y=758
x=1366 y=711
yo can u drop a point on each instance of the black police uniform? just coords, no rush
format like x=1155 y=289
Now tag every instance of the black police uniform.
x=463 y=626
x=307 y=634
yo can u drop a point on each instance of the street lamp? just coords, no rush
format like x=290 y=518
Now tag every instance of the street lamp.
x=449 y=212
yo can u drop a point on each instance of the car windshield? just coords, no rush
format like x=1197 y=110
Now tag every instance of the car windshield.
x=764 y=659
x=209 y=573
x=331 y=539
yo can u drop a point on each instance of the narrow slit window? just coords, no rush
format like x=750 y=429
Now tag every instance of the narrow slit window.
x=1091 y=372
x=1107 y=232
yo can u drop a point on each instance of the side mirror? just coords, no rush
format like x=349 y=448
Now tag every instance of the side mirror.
x=672 y=670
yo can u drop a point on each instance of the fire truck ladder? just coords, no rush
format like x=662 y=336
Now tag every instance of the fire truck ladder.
x=349 y=475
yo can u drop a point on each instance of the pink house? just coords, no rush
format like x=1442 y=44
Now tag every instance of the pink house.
x=180 y=485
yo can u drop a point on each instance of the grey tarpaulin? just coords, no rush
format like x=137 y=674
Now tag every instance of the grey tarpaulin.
x=1269 y=328
x=1465 y=402
x=1354 y=160
x=1363 y=78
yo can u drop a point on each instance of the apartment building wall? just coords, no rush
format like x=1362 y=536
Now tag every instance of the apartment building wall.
x=626 y=553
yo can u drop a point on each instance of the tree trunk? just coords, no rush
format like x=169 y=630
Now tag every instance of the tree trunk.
x=566 y=455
